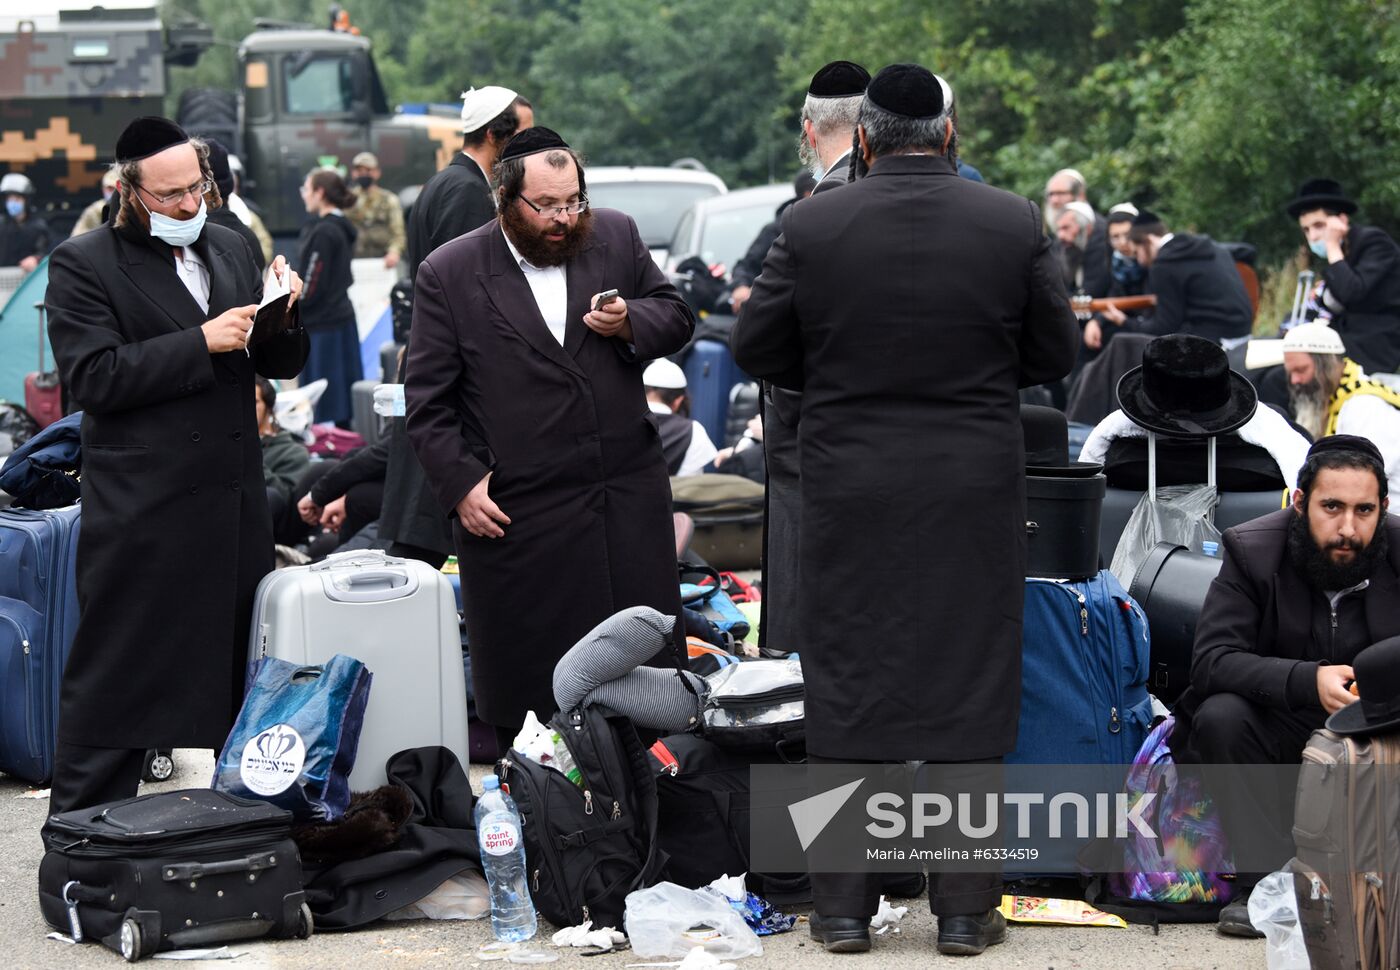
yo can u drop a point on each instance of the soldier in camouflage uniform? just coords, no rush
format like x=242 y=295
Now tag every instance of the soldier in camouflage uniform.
x=92 y=215
x=377 y=215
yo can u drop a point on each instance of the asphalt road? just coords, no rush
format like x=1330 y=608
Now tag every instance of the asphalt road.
x=424 y=944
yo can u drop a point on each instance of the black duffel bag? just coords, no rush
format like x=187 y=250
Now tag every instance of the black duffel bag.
x=172 y=870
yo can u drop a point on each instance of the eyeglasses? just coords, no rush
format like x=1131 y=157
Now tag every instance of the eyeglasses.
x=554 y=211
x=196 y=190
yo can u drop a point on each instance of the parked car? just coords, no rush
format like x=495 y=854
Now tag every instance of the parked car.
x=655 y=197
x=720 y=229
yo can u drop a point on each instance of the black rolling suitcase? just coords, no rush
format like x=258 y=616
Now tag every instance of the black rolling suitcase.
x=176 y=869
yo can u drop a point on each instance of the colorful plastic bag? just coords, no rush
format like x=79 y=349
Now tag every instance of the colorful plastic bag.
x=295 y=738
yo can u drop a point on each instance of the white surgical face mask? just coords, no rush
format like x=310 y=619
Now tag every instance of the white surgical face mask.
x=176 y=232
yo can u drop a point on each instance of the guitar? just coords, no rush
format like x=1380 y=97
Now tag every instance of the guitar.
x=1086 y=306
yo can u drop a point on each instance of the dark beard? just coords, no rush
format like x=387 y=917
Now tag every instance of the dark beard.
x=539 y=251
x=1317 y=566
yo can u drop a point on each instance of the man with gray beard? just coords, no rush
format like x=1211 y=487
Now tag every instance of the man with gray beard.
x=1331 y=394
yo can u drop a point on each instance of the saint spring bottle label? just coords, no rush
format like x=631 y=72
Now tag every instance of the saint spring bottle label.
x=499 y=836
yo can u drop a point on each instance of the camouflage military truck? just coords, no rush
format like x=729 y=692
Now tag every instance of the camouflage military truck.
x=72 y=74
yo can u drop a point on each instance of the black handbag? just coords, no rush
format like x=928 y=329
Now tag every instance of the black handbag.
x=174 y=869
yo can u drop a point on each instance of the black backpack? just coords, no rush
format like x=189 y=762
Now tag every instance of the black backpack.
x=587 y=846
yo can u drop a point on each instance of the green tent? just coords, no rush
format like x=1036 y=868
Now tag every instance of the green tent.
x=19 y=334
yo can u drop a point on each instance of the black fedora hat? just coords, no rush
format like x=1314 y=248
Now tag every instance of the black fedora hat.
x=1378 y=682
x=1320 y=194
x=1184 y=388
x=1046 y=432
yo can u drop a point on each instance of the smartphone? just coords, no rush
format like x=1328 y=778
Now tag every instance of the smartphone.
x=604 y=298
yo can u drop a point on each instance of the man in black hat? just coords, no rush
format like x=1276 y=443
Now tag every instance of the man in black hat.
x=1198 y=289
x=223 y=215
x=1361 y=284
x=149 y=317
x=908 y=308
x=1300 y=592
x=526 y=408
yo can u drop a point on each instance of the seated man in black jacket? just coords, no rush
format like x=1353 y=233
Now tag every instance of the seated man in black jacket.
x=1300 y=593
x=1361 y=284
x=1198 y=289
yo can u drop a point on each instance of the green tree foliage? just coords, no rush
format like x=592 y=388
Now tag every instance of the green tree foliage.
x=1210 y=111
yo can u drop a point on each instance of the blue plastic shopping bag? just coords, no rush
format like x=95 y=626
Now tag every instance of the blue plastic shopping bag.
x=295 y=738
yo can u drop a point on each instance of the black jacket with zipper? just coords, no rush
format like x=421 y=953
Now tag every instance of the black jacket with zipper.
x=323 y=262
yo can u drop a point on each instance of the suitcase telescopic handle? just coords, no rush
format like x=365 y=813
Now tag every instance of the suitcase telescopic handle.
x=39 y=306
x=183 y=871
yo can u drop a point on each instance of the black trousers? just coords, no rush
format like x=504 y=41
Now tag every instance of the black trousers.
x=857 y=894
x=84 y=776
x=1228 y=729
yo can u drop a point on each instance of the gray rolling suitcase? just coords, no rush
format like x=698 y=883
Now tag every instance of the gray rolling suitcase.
x=396 y=616
x=362 y=417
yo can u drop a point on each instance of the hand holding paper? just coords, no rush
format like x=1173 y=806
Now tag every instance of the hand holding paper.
x=273 y=312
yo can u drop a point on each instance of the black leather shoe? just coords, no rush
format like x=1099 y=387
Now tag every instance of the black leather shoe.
x=1234 y=920
x=841 y=934
x=967 y=936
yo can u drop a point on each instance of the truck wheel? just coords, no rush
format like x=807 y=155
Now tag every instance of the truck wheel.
x=211 y=113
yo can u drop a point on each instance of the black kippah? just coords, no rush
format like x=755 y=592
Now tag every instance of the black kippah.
x=531 y=141
x=1146 y=218
x=1347 y=442
x=839 y=79
x=907 y=90
x=147 y=136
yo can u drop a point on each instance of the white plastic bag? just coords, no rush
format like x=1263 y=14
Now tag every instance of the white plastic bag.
x=1184 y=514
x=1273 y=909
x=463 y=896
x=669 y=921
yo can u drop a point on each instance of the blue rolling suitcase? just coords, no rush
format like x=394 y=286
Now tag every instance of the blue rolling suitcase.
x=38 y=616
x=1084 y=666
x=710 y=373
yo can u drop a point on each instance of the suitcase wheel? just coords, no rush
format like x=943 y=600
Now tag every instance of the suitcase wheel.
x=160 y=765
x=131 y=940
x=306 y=924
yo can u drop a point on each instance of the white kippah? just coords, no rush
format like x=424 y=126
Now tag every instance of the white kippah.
x=1313 y=338
x=480 y=105
x=664 y=374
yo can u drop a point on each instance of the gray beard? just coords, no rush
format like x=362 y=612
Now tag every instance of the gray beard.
x=807 y=156
x=1309 y=409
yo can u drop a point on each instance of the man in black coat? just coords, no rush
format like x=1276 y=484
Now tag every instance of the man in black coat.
x=1300 y=592
x=828 y=123
x=526 y=408
x=454 y=201
x=1198 y=289
x=1066 y=186
x=908 y=308
x=458 y=199
x=223 y=215
x=1362 y=277
x=149 y=318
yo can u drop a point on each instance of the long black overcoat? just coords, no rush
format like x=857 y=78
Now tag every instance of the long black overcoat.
x=176 y=532
x=576 y=462
x=908 y=308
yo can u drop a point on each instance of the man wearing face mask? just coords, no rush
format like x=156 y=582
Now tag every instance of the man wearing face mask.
x=377 y=216
x=149 y=318
x=1361 y=284
x=95 y=214
x=24 y=237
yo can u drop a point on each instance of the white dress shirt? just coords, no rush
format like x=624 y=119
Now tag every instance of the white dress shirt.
x=194 y=274
x=1372 y=418
x=551 y=289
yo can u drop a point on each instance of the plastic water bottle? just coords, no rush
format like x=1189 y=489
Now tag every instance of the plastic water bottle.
x=388 y=400
x=503 y=859
x=564 y=760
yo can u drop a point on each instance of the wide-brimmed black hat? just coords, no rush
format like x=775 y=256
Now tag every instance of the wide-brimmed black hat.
x=1046 y=431
x=1378 y=682
x=1184 y=388
x=1320 y=194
